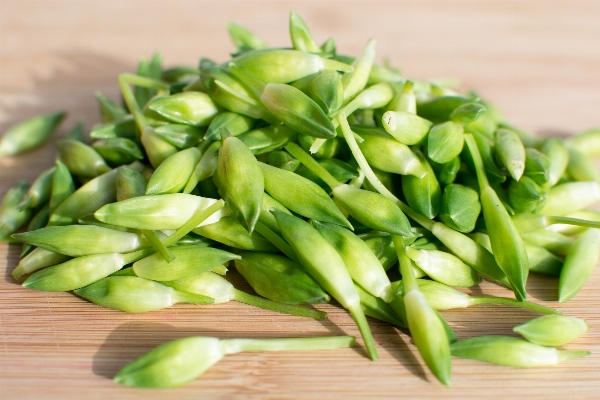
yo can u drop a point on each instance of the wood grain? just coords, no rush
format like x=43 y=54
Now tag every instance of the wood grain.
x=538 y=61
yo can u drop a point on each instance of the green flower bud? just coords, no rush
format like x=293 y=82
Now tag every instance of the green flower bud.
x=130 y=183
x=11 y=218
x=484 y=144
x=373 y=210
x=301 y=196
x=81 y=159
x=442 y=297
x=222 y=291
x=236 y=124
x=558 y=154
x=205 y=168
x=537 y=166
x=189 y=260
x=376 y=96
x=29 y=134
x=301 y=38
x=40 y=191
x=356 y=80
x=551 y=241
x=440 y=108
x=181 y=361
x=190 y=108
x=157 y=149
x=510 y=152
x=460 y=207
x=87 y=199
x=243 y=39
x=579 y=264
x=83 y=240
x=266 y=139
x=36 y=260
x=552 y=330
x=280 y=279
x=76 y=273
x=118 y=151
x=582 y=167
x=444 y=267
x=179 y=135
x=240 y=181
x=404 y=100
x=423 y=194
x=39 y=220
x=173 y=174
x=124 y=127
x=167 y=211
x=136 y=295
x=282 y=160
x=109 y=110
x=446 y=173
x=326 y=266
x=172 y=364
x=385 y=153
x=232 y=233
x=283 y=66
x=506 y=242
x=526 y=196
x=362 y=264
x=445 y=142
x=470 y=252
x=327 y=90
x=467 y=113
x=587 y=142
x=297 y=110
x=571 y=196
x=512 y=352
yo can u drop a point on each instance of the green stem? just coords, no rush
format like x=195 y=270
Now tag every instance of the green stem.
x=408 y=277
x=312 y=165
x=132 y=104
x=363 y=326
x=476 y=300
x=179 y=233
x=267 y=304
x=478 y=161
x=318 y=143
x=158 y=245
x=564 y=355
x=143 y=81
x=371 y=177
x=276 y=240
x=572 y=221
x=193 y=222
x=137 y=255
x=231 y=346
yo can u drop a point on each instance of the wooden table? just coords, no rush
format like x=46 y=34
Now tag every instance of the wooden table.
x=538 y=61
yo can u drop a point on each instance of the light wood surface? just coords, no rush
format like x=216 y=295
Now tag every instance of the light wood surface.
x=538 y=61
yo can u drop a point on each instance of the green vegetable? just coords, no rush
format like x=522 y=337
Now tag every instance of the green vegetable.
x=552 y=330
x=512 y=352
x=29 y=134
x=181 y=361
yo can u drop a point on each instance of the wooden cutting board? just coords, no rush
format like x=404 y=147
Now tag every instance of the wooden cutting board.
x=538 y=61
